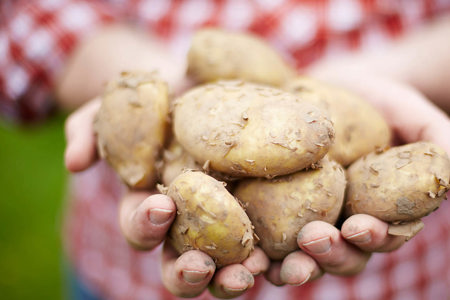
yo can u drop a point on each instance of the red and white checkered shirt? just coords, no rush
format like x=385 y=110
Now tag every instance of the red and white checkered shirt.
x=36 y=38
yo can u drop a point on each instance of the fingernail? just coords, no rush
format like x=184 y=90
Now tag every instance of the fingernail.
x=303 y=282
x=194 y=277
x=160 y=216
x=360 y=237
x=233 y=291
x=319 y=246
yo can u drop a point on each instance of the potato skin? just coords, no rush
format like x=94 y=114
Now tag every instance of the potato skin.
x=402 y=184
x=359 y=128
x=250 y=130
x=209 y=219
x=280 y=207
x=175 y=161
x=131 y=126
x=216 y=54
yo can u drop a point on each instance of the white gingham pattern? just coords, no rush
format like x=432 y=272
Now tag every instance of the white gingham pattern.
x=36 y=38
x=304 y=31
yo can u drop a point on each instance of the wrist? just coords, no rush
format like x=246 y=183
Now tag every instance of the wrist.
x=419 y=59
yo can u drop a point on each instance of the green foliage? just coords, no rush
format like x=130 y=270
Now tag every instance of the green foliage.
x=32 y=187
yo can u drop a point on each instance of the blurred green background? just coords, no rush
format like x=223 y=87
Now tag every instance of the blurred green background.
x=32 y=191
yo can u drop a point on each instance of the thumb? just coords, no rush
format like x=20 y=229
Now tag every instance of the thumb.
x=409 y=113
x=80 y=150
x=145 y=218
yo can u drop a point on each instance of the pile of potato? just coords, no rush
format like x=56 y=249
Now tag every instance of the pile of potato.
x=253 y=152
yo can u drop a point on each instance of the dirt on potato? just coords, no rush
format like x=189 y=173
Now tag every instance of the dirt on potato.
x=217 y=54
x=131 y=126
x=401 y=184
x=209 y=219
x=359 y=128
x=250 y=130
x=280 y=207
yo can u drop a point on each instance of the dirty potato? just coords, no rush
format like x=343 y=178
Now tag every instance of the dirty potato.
x=217 y=54
x=402 y=184
x=209 y=219
x=245 y=129
x=280 y=207
x=359 y=128
x=131 y=126
x=175 y=161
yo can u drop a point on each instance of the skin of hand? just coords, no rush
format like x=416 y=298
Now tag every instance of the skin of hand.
x=324 y=248
x=405 y=83
x=144 y=217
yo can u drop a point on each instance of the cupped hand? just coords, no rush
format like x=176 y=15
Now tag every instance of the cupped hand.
x=191 y=273
x=145 y=218
x=343 y=252
x=324 y=248
x=411 y=116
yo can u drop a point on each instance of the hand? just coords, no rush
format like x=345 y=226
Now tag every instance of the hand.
x=411 y=116
x=326 y=249
x=145 y=217
x=323 y=247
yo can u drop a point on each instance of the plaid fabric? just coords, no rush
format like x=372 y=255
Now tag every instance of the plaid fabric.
x=36 y=38
x=418 y=270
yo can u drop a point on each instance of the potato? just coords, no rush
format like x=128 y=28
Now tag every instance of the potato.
x=280 y=207
x=217 y=54
x=209 y=219
x=245 y=129
x=360 y=129
x=402 y=184
x=175 y=161
x=131 y=126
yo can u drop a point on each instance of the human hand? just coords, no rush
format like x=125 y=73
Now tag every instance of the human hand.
x=145 y=217
x=324 y=248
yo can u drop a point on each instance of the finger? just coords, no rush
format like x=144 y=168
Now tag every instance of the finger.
x=325 y=244
x=187 y=275
x=370 y=234
x=257 y=262
x=231 y=281
x=273 y=274
x=145 y=219
x=81 y=148
x=298 y=268
x=423 y=122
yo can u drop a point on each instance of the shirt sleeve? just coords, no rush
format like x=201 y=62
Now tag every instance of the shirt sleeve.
x=36 y=39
